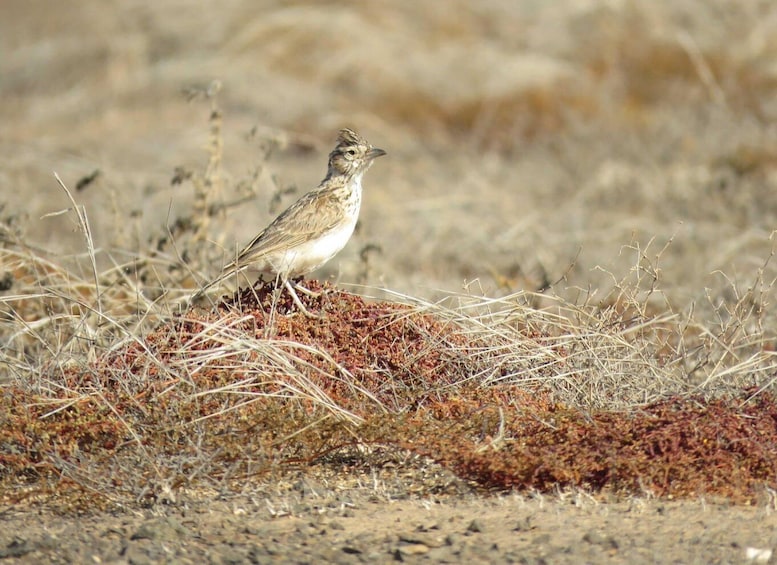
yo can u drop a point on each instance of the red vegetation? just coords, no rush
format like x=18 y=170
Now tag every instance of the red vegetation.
x=676 y=447
x=203 y=398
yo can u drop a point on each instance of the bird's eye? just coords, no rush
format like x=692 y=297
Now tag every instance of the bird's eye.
x=351 y=152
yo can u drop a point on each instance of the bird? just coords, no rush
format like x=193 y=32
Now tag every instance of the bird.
x=315 y=228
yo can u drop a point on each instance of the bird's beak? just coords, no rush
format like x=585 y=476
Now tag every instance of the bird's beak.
x=375 y=152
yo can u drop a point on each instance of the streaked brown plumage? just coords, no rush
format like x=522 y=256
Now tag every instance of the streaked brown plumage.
x=317 y=226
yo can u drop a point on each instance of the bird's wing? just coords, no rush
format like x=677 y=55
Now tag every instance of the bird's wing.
x=314 y=214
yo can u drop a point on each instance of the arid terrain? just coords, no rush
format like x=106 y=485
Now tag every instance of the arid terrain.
x=583 y=190
x=321 y=527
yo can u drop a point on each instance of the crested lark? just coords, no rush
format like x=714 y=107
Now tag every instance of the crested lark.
x=316 y=227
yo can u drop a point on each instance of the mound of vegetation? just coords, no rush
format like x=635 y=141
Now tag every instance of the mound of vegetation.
x=252 y=388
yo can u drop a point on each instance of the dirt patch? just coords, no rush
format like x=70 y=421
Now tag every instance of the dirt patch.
x=316 y=525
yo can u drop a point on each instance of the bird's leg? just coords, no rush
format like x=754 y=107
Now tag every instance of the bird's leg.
x=290 y=285
x=307 y=291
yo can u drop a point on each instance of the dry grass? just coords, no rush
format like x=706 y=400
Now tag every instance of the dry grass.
x=592 y=346
x=503 y=394
x=108 y=393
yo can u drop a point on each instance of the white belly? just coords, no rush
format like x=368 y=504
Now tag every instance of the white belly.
x=311 y=255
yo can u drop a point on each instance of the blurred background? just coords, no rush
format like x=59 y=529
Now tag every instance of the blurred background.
x=577 y=144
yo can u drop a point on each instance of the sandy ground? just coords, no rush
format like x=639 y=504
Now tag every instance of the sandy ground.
x=319 y=527
x=528 y=142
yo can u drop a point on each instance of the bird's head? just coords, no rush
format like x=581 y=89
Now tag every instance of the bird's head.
x=352 y=155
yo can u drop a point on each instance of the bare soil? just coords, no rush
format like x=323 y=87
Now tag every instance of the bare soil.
x=315 y=525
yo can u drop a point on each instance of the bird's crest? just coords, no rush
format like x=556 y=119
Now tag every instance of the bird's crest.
x=349 y=137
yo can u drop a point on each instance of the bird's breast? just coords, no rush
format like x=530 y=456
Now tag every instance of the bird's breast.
x=312 y=254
